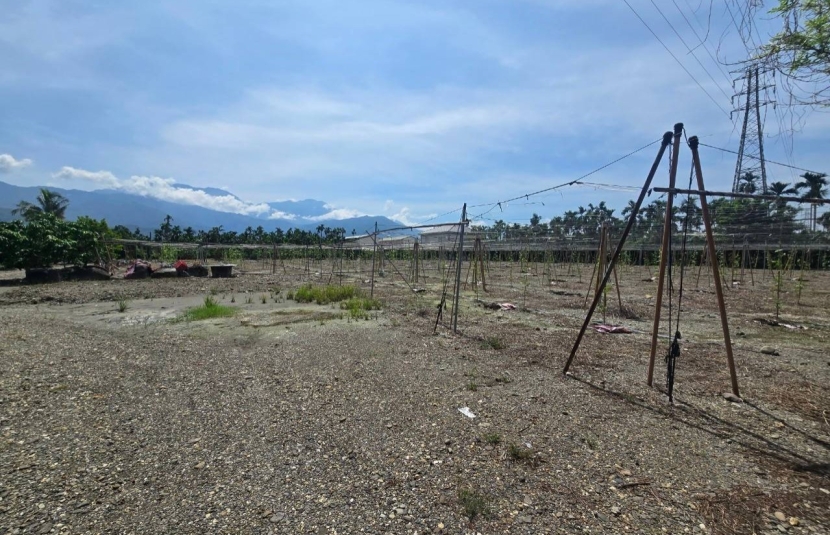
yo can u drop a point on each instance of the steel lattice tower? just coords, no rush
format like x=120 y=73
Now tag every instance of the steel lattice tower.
x=751 y=151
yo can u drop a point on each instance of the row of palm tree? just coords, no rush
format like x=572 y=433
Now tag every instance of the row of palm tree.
x=811 y=186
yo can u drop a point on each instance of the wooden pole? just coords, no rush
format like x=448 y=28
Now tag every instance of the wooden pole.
x=664 y=253
x=667 y=137
x=374 y=254
x=710 y=241
x=458 y=269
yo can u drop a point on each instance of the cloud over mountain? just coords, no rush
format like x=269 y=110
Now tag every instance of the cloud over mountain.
x=8 y=163
x=165 y=189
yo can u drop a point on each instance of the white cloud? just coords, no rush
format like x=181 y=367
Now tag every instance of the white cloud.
x=339 y=213
x=8 y=163
x=164 y=189
x=405 y=216
x=277 y=214
x=104 y=178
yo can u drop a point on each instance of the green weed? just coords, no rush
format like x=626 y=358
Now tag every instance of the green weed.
x=211 y=309
x=493 y=342
x=492 y=438
x=323 y=295
x=359 y=307
x=122 y=305
x=522 y=454
x=474 y=504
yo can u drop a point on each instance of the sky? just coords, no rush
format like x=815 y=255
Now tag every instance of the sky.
x=395 y=108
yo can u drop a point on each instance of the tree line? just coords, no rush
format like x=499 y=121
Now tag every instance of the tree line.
x=167 y=232
x=743 y=220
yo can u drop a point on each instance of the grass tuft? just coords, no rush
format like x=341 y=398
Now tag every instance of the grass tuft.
x=359 y=307
x=211 y=309
x=492 y=438
x=323 y=295
x=122 y=305
x=519 y=453
x=493 y=342
x=474 y=504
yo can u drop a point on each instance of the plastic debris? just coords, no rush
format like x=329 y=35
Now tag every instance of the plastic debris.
x=466 y=412
x=610 y=329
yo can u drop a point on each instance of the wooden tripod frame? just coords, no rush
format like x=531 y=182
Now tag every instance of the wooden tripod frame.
x=710 y=240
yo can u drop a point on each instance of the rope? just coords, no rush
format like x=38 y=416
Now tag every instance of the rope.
x=674 y=347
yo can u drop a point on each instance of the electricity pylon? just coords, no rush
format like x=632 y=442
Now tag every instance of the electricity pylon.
x=751 y=151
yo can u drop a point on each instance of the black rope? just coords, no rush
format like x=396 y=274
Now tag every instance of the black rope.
x=674 y=347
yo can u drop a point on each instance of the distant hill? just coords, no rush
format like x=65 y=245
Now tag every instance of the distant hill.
x=147 y=213
x=6 y=214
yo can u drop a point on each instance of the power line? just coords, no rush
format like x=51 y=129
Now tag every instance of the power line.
x=689 y=48
x=766 y=160
x=703 y=43
x=496 y=204
x=677 y=60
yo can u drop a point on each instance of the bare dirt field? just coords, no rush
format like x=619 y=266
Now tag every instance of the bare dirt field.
x=289 y=418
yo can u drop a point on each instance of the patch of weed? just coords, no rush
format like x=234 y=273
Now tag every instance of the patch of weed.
x=211 y=309
x=359 y=307
x=323 y=295
x=493 y=342
x=122 y=305
x=474 y=504
x=519 y=453
x=492 y=438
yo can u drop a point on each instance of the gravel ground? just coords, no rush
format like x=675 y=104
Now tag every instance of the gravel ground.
x=353 y=427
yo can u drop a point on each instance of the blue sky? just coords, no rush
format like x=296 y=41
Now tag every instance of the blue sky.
x=404 y=109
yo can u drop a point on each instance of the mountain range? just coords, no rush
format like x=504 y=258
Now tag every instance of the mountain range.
x=147 y=213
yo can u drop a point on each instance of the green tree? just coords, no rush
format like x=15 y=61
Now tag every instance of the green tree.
x=48 y=202
x=815 y=185
x=801 y=50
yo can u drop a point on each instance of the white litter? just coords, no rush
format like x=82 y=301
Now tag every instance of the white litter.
x=466 y=412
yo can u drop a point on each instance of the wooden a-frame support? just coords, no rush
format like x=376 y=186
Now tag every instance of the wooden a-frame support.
x=600 y=265
x=710 y=240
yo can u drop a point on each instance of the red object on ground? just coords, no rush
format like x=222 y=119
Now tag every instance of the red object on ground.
x=180 y=265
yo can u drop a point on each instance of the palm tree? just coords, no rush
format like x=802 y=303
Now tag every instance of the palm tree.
x=748 y=183
x=48 y=202
x=780 y=189
x=815 y=184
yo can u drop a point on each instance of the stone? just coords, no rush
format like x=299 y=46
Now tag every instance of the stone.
x=615 y=511
x=769 y=350
x=276 y=517
x=793 y=521
x=780 y=516
x=165 y=273
x=525 y=519
x=729 y=396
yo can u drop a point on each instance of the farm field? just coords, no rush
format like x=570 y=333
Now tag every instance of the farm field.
x=291 y=417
